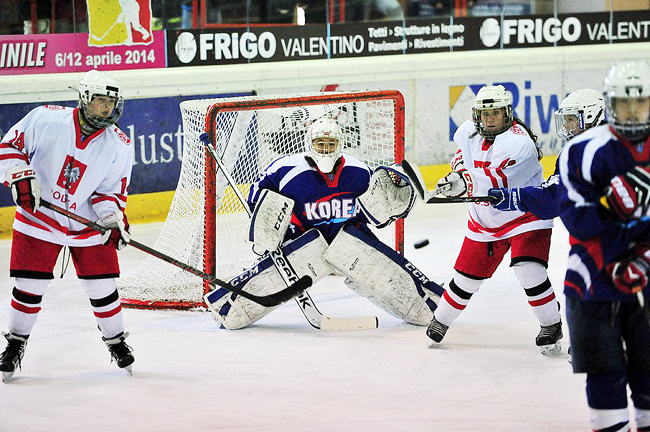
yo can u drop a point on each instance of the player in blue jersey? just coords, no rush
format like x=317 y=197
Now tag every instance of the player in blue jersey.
x=579 y=111
x=605 y=209
x=317 y=206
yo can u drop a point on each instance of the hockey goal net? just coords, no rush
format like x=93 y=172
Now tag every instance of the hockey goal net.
x=207 y=226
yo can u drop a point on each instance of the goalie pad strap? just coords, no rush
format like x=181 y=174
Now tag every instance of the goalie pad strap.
x=270 y=220
x=386 y=278
x=304 y=255
x=390 y=196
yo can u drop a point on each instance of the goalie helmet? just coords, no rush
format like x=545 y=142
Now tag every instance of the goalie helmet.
x=579 y=111
x=96 y=83
x=490 y=98
x=325 y=140
x=626 y=90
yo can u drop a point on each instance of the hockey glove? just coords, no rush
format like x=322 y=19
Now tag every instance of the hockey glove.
x=628 y=195
x=630 y=275
x=117 y=235
x=24 y=187
x=457 y=162
x=506 y=199
x=456 y=184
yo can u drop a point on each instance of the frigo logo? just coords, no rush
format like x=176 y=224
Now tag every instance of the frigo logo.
x=529 y=31
x=224 y=46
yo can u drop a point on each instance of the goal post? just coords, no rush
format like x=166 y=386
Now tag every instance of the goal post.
x=207 y=226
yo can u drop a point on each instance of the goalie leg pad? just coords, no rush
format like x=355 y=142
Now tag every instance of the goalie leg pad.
x=270 y=220
x=382 y=275
x=304 y=255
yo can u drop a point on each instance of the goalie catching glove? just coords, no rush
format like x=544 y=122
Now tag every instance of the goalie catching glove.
x=390 y=196
x=117 y=235
x=25 y=189
x=456 y=184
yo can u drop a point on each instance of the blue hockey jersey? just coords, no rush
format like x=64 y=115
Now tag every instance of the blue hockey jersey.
x=587 y=165
x=322 y=201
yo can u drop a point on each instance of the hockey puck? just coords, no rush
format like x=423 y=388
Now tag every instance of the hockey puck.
x=421 y=243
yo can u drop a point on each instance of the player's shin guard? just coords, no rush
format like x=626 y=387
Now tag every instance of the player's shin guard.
x=533 y=278
x=456 y=297
x=26 y=299
x=611 y=420
x=235 y=312
x=607 y=398
x=383 y=276
x=106 y=305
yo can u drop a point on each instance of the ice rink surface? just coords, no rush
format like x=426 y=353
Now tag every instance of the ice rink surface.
x=283 y=375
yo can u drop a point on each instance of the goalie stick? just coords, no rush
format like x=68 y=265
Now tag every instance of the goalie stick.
x=288 y=274
x=300 y=285
x=413 y=173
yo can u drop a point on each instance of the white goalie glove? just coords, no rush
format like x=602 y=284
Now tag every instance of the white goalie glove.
x=390 y=196
x=270 y=220
x=456 y=184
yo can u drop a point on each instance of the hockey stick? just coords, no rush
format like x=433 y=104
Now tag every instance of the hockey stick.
x=268 y=301
x=304 y=300
x=98 y=38
x=413 y=173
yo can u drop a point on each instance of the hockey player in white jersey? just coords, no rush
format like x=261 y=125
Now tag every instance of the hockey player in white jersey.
x=498 y=150
x=79 y=159
x=331 y=197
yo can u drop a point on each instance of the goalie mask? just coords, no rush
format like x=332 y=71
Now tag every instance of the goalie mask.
x=626 y=90
x=579 y=111
x=100 y=100
x=325 y=138
x=492 y=111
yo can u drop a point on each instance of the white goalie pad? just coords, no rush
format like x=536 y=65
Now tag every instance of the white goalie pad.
x=390 y=196
x=234 y=312
x=270 y=220
x=383 y=276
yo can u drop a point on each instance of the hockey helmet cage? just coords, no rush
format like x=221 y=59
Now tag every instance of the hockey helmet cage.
x=626 y=82
x=579 y=111
x=325 y=129
x=96 y=83
x=492 y=97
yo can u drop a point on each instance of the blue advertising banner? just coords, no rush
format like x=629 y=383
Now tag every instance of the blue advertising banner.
x=155 y=128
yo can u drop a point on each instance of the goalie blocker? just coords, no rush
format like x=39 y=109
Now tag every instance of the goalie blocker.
x=373 y=270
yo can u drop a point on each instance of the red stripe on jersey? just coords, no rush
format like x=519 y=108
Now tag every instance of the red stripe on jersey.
x=100 y=198
x=452 y=303
x=54 y=225
x=493 y=179
x=21 y=157
x=593 y=248
x=542 y=301
x=109 y=313
x=23 y=308
x=573 y=286
x=503 y=229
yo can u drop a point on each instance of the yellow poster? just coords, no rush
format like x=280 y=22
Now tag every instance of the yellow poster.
x=119 y=22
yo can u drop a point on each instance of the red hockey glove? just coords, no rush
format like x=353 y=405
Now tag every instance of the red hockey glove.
x=24 y=187
x=628 y=195
x=456 y=184
x=117 y=235
x=630 y=275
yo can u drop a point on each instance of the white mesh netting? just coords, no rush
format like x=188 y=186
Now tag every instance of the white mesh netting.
x=249 y=133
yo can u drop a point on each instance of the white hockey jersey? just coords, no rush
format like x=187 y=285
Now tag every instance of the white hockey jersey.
x=89 y=177
x=509 y=162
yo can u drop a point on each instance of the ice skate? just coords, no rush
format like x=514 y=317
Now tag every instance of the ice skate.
x=548 y=339
x=12 y=355
x=120 y=351
x=436 y=331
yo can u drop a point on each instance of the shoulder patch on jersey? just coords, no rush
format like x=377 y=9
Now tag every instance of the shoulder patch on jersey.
x=54 y=107
x=122 y=136
x=516 y=129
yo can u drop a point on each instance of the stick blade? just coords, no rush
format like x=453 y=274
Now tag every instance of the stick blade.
x=349 y=324
x=413 y=173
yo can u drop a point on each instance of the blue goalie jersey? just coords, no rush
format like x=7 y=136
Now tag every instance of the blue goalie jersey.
x=322 y=201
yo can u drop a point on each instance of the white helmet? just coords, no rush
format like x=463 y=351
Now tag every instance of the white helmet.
x=580 y=110
x=491 y=97
x=626 y=81
x=96 y=83
x=325 y=128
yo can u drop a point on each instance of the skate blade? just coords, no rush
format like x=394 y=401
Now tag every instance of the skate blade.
x=431 y=344
x=6 y=376
x=551 y=350
x=129 y=369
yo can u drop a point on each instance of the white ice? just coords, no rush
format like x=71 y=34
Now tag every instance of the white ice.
x=283 y=375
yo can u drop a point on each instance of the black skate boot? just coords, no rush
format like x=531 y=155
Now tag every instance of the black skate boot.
x=436 y=330
x=120 y=351
x=12 y=355
x=548 y=339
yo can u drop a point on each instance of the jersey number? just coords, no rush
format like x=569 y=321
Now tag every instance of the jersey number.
x=18 y=141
